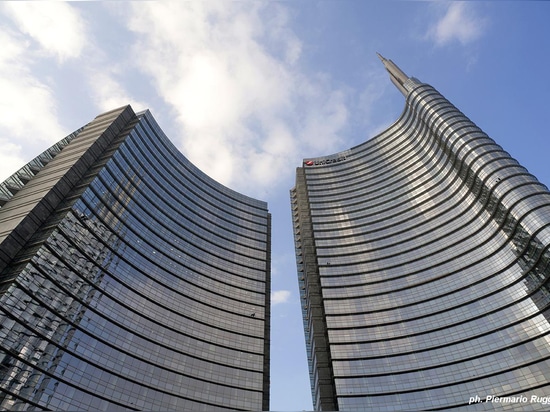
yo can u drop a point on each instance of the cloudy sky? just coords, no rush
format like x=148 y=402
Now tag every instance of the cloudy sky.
x=247 y=89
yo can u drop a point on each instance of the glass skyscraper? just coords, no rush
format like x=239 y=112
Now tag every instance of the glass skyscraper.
x=130 y=280
x=423 y=262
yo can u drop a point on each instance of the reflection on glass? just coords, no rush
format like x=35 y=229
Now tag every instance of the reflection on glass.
x=138 y=292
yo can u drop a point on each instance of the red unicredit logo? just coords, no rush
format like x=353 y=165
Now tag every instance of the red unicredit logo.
x=325 y=161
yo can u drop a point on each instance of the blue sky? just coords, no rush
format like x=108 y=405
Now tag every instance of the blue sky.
x=247 y=89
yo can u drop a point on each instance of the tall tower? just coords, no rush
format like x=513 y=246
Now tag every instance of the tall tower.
x=423 y=261
x=131 y=280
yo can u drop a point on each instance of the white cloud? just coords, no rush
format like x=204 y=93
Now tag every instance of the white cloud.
x=108 y=93
x=10 y=158
x=27 y=105
x=280 y=296
x=39 y=38
x=460 y=23
x=246 y=112
x=328 y=114
x=56 y=26
x=34 y=33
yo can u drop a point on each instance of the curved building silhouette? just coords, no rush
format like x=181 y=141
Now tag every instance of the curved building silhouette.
x=130 y=280
x=423 y=261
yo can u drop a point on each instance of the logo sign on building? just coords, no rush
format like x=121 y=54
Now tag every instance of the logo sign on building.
x=325 y=161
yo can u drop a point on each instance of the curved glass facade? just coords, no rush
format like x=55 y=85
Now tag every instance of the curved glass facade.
x=146 y=288
x=424 y=264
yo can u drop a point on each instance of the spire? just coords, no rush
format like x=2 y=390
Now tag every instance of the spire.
x=397 y=76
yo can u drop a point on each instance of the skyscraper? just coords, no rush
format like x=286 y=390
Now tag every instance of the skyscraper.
x=423 y=261
x=130 y=280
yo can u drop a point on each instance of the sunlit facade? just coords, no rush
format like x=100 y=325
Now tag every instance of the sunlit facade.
x=130 y=280
x=423 y=262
